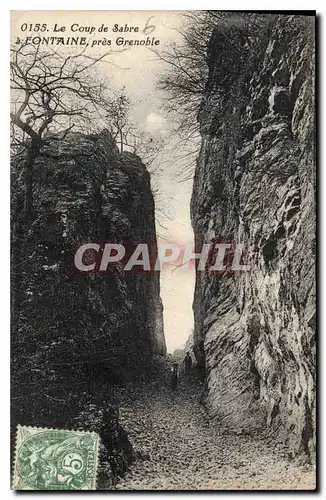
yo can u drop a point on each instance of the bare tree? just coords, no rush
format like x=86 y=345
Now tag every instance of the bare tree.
x=127 y=135
x=183 y=82
x=186 y=73
x=187 y=60
x=118 y=114
x=50 y=93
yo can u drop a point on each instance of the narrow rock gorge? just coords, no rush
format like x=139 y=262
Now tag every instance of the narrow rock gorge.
x=255 y=184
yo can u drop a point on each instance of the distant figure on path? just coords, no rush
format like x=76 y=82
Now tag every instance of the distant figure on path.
x=174 y=377
x=188 y=364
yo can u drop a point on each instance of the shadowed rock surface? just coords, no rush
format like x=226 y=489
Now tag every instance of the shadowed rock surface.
x=254 y=184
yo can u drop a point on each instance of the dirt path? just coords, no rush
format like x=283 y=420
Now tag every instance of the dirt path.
x=180 y=449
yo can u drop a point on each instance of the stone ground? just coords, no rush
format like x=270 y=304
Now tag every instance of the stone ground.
x=179 y=449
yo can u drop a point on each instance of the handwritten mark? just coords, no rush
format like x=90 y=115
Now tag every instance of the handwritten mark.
x=149 y=28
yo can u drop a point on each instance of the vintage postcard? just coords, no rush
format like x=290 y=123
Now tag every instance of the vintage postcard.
x=163 y=242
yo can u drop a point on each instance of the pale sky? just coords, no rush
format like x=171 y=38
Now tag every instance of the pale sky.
x=137 y=68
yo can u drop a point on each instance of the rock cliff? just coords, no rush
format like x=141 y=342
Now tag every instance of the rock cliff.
x=255 y=184
x=76 y=334
x=85 y=191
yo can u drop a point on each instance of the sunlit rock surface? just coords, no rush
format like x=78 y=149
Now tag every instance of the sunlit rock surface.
x=255 y=183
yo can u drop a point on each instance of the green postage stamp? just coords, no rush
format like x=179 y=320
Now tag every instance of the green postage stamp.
x=49 y=459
